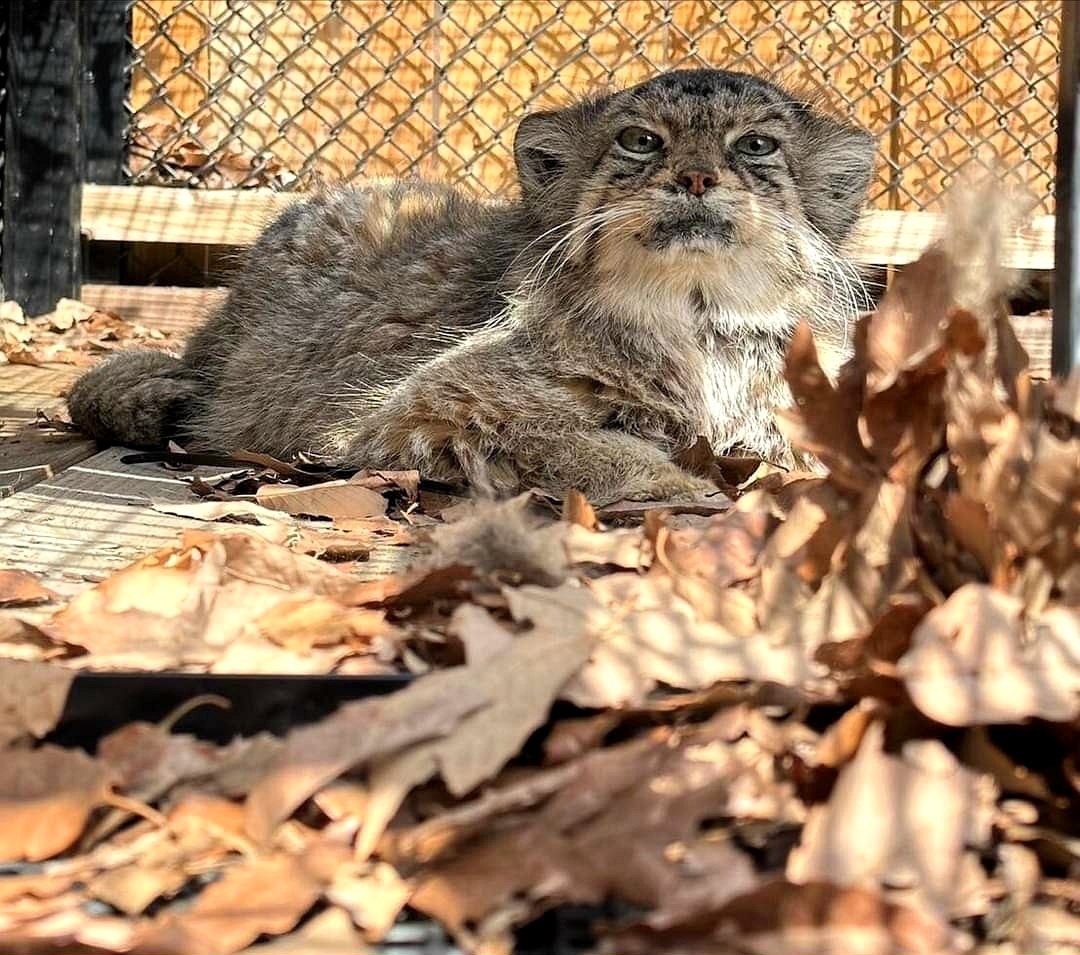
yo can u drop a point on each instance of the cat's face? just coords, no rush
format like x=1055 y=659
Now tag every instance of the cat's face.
x=696 y=176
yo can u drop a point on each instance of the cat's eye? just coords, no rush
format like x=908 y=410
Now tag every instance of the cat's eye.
x=754 y=144
x=639 y=141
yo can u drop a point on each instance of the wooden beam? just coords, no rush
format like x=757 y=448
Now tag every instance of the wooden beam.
x=194 y=216
x=236 y=217
x=181 y=310
x=167 y=308
x=892 y=237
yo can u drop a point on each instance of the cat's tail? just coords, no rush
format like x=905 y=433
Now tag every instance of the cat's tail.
x=137 y=398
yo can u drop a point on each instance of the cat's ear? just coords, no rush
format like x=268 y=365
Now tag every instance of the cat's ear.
x=543 y=146
x=547 y=142
x=838 y=161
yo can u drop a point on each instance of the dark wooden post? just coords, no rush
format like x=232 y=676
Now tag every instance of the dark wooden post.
x=63 y=125
x=42 y=166
x=1066 y=330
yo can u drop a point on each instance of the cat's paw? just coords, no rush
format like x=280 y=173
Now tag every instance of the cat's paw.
x=679 y=488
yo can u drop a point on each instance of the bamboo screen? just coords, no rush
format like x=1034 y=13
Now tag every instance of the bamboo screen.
x=227 y=93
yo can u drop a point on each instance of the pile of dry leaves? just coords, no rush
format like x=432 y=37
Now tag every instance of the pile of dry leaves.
x=838 y=717
x=74 y=333
x=203 y=154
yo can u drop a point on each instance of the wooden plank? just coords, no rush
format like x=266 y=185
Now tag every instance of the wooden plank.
x=892 y=237
x=168 y=309
x=236 y=217
x=95 y=518
x=28 y=454
x=161 y=214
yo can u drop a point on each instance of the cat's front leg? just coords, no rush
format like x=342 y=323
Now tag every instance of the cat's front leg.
x=605 y=465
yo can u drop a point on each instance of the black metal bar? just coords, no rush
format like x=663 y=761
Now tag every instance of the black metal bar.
x=1066 y=330
x=43 y=168
x=99 y=703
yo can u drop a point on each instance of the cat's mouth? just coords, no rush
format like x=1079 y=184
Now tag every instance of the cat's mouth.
x=696 y=235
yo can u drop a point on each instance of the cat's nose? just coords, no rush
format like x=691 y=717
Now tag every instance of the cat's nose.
x=697 y=181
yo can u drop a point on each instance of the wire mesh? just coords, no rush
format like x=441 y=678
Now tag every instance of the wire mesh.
x=280 y=93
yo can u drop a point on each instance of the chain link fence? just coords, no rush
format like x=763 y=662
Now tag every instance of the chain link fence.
x=242 y=93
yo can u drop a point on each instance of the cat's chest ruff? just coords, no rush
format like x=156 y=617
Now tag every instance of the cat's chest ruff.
x=738 y=373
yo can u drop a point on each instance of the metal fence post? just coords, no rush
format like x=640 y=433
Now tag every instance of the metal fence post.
x=1065 y=355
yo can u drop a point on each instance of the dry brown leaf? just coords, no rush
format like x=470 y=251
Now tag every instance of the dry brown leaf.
x=148 y=760
x=521 y=683
x=481 y=634
x=185 y=604
x=372 y=893
x=726 y=550
x=625 y=823
x=328 y=933
x=224 y=510
x=824 y=420
x=909 y=325
x=334 y=499
x=840 y=742
x=1030 y=481
x=301 y=623
x=647 y=634
x=618 y=548
x=266 y=896
x=132 y=889
x=899 y=822
x=358 y=733
x=18 y=588
x=46 y=797
x=977 y=659
x=813 y=919
x=577 y=510
x=407 y=481
x=32 y=698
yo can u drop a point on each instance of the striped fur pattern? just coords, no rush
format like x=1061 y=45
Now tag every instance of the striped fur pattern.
x=638 y=293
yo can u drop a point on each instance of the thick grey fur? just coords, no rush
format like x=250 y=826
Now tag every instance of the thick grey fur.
x=579 y=336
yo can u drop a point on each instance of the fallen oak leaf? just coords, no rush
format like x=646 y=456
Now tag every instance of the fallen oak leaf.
x=267 y=896
x=355 y=735
x=304 y=622
x=46 y=797
x=331 y=932
x=333 y=499
x=814 y=919
x=19 y=588
x=977 y=659
x=824 y=420
x=372 y=893
x=32 y=698
x=576 y=509
x=218 y=510
x=407 y=481
x=907 y=820
x=622 y=547
x=629 y=823
x=521 y=684
x=186 y=603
